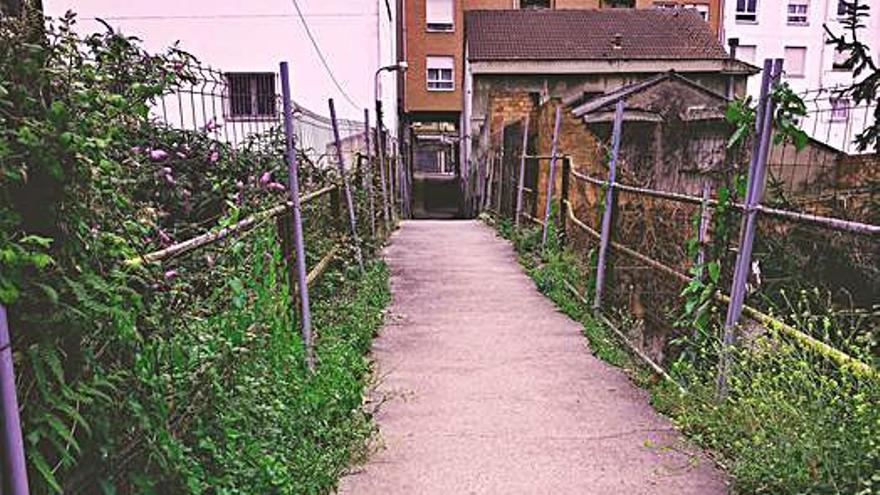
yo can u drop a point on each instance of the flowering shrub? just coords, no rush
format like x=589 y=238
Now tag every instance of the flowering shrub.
x=144 y=378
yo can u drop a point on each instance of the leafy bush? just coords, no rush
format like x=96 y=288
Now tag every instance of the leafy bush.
x=185 y=376
x=793 y=421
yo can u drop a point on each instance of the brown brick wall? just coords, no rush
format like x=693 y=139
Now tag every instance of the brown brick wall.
x=583 y=152
x=506 y=107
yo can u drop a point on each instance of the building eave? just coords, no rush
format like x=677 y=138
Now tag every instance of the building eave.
x=565 y=67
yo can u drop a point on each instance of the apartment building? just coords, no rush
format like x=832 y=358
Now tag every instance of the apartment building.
x=794 y=30
x=432 y=41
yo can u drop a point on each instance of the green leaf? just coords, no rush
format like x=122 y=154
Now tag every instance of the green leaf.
x=61 y=430
x=714 y=269
x=42 y=467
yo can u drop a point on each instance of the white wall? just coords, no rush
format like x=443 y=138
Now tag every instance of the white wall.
x=772 y=33
x=235 y=35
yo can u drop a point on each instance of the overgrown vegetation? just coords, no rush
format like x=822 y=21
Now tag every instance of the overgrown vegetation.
x=793 y=421
x=185 y=376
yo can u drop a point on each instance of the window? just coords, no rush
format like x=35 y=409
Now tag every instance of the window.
x=841 y=61
x=440 y=74
x=535 y=4
x=251 y=95
x=440 y=15
x=747 y=53
x=797 y=12
x=839 y=109
x=701 y=8
x=747 y=10
x=795 y=61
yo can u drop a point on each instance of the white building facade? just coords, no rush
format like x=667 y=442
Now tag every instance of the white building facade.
x=793 y=30
x=251 y=38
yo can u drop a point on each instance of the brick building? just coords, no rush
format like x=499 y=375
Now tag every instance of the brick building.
x=516 y=61
x=432 y=40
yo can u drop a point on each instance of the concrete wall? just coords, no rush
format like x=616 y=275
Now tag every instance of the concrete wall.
x=356 y=36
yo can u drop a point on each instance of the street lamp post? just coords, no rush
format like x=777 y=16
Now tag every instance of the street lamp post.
x=380 y=142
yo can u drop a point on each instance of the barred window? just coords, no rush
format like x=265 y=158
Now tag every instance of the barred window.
x=251 y=95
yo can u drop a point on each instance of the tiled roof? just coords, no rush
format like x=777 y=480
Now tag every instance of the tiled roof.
x=646 y=34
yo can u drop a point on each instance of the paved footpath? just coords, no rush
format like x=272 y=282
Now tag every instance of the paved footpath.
x=492 y=391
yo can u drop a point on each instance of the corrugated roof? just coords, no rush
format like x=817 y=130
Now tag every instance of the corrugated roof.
x=646 y=34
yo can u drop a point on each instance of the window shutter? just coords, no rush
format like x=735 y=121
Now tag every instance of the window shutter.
x=440 y=12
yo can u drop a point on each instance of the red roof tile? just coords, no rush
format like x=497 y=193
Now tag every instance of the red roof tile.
x=590 y=35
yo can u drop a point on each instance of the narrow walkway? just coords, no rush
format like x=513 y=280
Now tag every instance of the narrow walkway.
x=492 y=391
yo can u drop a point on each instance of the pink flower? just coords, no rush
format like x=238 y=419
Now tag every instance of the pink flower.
x=170 y=274
x=265 y=178
x=158 y=155
x=277 y=186
x=214 y=156
x=136 y=149
x=180 y=155
x=211 y=125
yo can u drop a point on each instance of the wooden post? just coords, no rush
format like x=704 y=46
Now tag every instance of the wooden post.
x=605 y=237
x=551 y=177
x=522 y=173
x=563 y=199
x=501 y=174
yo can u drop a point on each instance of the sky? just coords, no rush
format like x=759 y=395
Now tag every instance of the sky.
x=236 y=35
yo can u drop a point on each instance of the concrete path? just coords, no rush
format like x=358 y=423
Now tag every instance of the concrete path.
x=492 y=391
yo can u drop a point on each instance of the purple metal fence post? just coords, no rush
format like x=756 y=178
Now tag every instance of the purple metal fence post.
x=754 y=194
x=605 y=237
x=14 y=467
x=299 y=246
x=346 y=187
x=522 y=172
x=380 y=152
x=551 y=178
x=368 y=175
x=705 y=221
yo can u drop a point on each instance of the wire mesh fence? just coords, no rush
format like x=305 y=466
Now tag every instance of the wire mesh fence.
x=196 y=308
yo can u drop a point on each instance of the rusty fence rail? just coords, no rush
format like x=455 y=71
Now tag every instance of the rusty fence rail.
x=526 y=174
x=363 y=184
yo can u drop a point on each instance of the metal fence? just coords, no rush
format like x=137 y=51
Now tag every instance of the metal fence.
x=791 y=237
x=334 y=213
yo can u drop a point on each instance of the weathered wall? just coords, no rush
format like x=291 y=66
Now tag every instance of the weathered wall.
x=578 y=144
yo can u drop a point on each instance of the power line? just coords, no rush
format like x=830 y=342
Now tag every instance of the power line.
x=321 y=56
x=227 y=16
